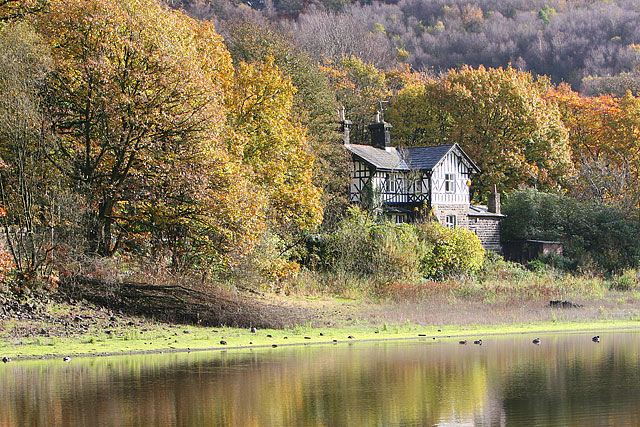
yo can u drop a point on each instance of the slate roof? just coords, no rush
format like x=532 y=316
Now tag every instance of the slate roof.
x=381 y=159
x=480 y=210
x=409 y=158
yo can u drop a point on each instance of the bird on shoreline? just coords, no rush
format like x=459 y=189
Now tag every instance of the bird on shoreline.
x=462 y=342
x=479 y=342
x=596 y=338
x=6 y=360
x=66 y=359
x=536 y=341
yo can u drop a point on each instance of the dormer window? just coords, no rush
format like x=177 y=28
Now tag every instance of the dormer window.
x=449 y=182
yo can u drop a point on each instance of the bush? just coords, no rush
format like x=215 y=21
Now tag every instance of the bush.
x=552 y=261
x=592 y=234
x=384 y=251
x=449 y=252
x=629 y=280
x=388 y=253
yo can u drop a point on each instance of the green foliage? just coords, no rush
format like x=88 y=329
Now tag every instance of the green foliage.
x=402 y=251
x=593 y=235
x=552 y=262
x=449 y=252
x=629 y=280
x=381 y=250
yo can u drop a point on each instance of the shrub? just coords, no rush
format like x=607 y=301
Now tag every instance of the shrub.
x=382 y=250
x=449 y=252
x=592 y=234
x=629 y=280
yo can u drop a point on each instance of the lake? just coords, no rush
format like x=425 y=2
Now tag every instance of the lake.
x=567 y=380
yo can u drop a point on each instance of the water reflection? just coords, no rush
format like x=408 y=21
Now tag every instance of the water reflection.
x=566 y=380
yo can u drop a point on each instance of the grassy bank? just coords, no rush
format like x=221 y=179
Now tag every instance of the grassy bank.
x=96 y=332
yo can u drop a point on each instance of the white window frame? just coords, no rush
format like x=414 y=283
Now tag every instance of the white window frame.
x=450 y=221
x=390 y=183
x=449 y=182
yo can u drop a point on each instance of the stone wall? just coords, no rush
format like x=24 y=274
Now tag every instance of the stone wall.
x=460 y=211
x=488 y=231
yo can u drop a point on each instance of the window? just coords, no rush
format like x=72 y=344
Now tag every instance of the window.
x=450 y=182
x=450 y=221
x=389 y=183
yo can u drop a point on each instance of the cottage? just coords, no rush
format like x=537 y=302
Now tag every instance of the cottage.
x=409 y=183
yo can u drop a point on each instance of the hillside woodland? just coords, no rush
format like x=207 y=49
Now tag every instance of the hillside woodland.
x=196 y=142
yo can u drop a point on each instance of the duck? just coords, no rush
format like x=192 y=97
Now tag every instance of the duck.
x=596 y=338
x=536 y=341
x=479 y=342
x=223 y=342
x=462 y=342
x=253 y=330
x=66 y=359
x=351 y=337
x=6 y=360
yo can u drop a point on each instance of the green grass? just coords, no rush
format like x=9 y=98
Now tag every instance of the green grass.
x=158 y=338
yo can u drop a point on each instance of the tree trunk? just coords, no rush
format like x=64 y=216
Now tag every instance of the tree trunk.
x=100 y=229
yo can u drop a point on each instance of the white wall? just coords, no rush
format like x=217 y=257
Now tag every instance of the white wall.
x=450 y=164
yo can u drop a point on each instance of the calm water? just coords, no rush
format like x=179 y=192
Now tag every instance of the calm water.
x=565 y=381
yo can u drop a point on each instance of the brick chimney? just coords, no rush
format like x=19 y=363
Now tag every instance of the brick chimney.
x=494 y=201
x=380 y=133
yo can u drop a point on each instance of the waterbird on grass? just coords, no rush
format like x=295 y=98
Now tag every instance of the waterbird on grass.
x=462 y=342
x=269 y=336
x=536 y=341
x=253 y=330
x=479 y=342
x=350 y=337
x=274 y=345
x=6 y=360
x=596 y=338
x=66 y=359
x=223 y=342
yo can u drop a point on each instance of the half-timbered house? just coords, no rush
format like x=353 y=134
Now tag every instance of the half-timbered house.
x=410 y=182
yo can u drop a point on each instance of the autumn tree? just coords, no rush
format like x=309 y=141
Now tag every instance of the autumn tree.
x=359 y=88
x=314 y=105
x=273 y=146
x=500 y=119
x=603 y=133
x=136 y=98
x=15 y=9
x=31 y=194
